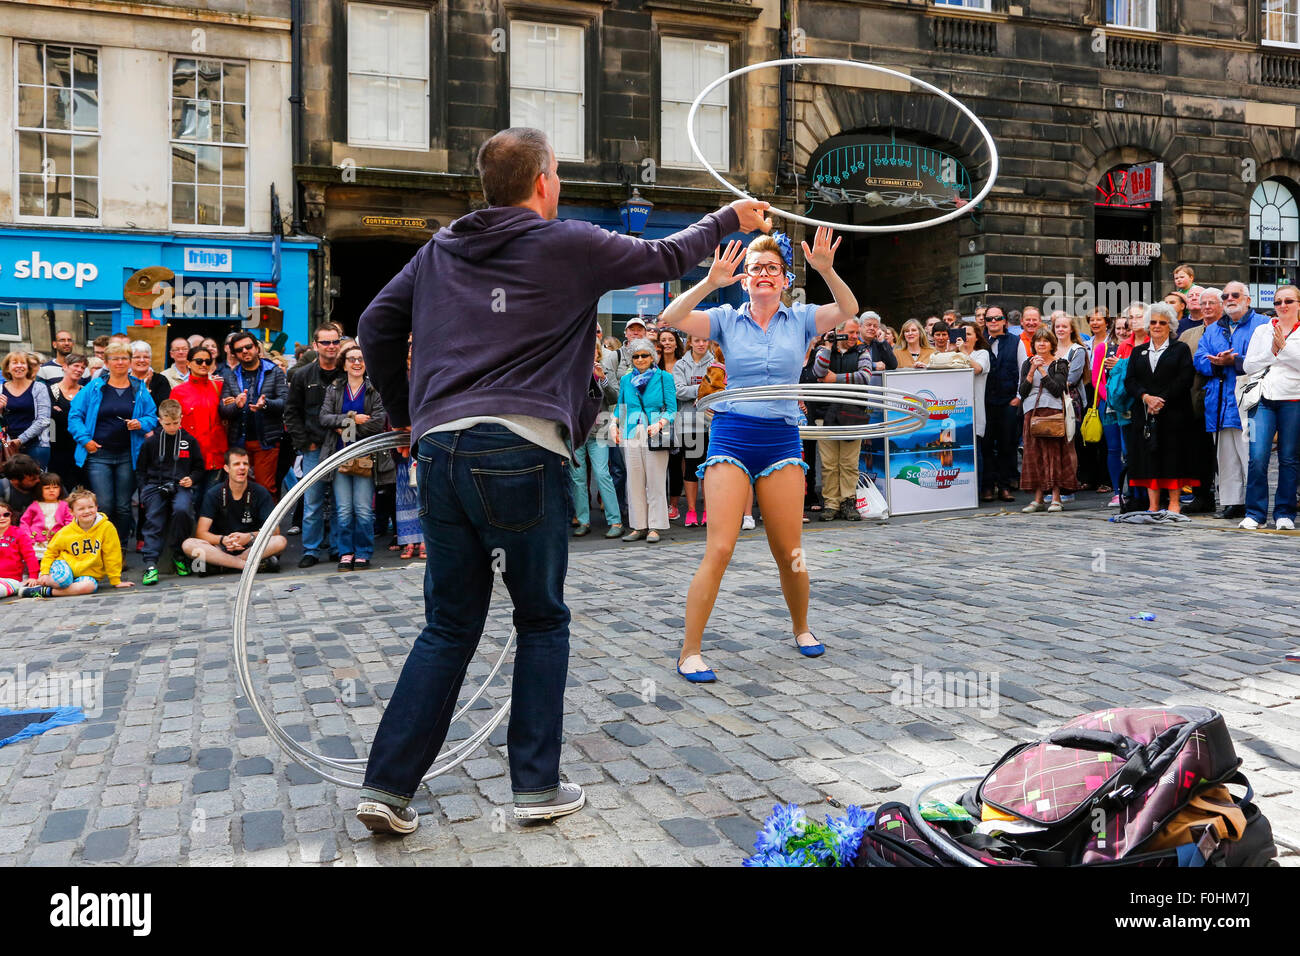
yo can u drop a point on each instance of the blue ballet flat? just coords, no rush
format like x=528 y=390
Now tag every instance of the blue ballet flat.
x=810 y=650
x=698 y=677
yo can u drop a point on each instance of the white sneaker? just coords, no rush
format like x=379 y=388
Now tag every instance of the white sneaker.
x=748 y=523
x=569 y=798
x=1248 y=523
x=1285 y=524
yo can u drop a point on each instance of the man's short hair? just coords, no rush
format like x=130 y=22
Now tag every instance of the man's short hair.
x=236 y=451
x=101 y=341
x=1212 y=293
x=940 y=327
x=120 y=335
x=510 y=162
x=170 y=409
x=78 y=494
x=22 y=466
x=870 y=315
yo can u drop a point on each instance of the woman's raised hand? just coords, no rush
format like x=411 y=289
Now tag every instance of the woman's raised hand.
x=723 y=271
x=822 y=254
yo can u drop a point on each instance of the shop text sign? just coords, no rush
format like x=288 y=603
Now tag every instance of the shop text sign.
x=1126 y=252
x=203 y=259
x=1144 y=183
x=37 y=266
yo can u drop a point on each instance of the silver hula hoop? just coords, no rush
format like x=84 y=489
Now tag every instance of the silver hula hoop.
x=330 y=768
x=912 y=411
x=831 y=61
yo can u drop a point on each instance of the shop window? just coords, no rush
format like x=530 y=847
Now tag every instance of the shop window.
x=57 y=132
x=1274 y=240
x=546 y=83
x=388 y=76
x=966 y=4
x=209 y=143
x=10 y=327
x=686 y=67
x=1134 y=14
x=1281 y=21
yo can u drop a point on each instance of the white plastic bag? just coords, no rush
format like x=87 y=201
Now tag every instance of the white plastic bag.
x=871 y=503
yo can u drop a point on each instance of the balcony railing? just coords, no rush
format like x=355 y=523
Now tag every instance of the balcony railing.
x=1134 y=55
x=964 y=35
x=1279 y=70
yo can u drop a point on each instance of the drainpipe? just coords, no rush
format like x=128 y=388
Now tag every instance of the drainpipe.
x=296 y=103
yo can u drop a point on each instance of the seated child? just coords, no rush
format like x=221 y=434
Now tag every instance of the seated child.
x=47 y=514
x=87 y=550
x=17 y=559
x=169 y=467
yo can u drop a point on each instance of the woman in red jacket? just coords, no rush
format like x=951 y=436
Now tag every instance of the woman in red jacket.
x=200 y=398
x=17 y=558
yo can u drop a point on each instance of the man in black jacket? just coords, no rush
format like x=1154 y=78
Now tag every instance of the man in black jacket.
x=842 y=360
x=1002 y=405
x=253 y=403
x=302 y=419
x=169 y=466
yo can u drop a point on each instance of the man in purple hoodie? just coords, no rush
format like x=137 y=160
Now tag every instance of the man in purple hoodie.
x=500 y=307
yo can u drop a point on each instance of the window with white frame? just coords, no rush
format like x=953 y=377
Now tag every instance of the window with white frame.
x=1135 y=14
x=686 y=67
x=546 y=83
x=57 y=131
x=209 y=142
x=1281 y=21
x=967 y=4
x=388 y=76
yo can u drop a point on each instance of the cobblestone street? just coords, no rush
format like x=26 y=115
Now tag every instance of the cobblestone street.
x=177 y=769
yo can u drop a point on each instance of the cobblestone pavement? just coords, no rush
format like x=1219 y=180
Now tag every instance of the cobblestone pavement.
x=176 y=768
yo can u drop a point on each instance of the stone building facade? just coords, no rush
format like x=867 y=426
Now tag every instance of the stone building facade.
x=144 y=135
x=1073 y=99
x=590 y=72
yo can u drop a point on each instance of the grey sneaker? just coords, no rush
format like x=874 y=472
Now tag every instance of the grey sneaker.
x=568 y=799
x=382 y=818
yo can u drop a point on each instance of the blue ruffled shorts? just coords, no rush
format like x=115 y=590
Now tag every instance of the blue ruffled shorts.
x=758 y=446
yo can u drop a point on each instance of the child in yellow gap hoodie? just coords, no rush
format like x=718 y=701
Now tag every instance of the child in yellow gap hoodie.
x=89 y=546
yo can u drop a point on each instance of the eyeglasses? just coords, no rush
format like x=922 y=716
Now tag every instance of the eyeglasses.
x=1233 y=295
x=356 y=358
x=245 y=348
x=1285 y=301
x=1157 y=323
x=119 y=358
x=765 y=269
x=199 y=361
x=328 y=341
x=637 y=355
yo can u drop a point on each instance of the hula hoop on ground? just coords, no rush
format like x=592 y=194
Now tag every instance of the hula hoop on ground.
x=831 y=61
x=913 y=411
x=330 y=768
x=941 y=839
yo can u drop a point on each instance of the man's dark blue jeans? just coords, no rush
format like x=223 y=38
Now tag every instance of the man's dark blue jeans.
x=489 y=500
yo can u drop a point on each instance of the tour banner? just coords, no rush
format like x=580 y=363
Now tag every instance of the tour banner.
x=933 y=468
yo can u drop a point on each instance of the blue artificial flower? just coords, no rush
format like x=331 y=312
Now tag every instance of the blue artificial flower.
x=848 y=831
x=785 y=822
x=787 y=248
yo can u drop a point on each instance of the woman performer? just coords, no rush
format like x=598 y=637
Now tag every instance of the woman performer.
x=764 y=341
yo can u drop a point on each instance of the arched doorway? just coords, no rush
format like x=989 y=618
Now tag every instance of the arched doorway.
x=889 y=176
x=1127 y=249
x=1274 y=240
x=360 y=269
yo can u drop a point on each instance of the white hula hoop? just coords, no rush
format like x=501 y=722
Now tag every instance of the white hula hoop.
x=831 y=61
x=330 y=768
x=913 y=411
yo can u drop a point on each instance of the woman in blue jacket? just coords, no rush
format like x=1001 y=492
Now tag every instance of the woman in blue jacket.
x=647 y=405
x=109 y=420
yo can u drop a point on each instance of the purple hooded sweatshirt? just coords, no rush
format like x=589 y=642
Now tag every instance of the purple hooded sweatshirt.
x=502 y=306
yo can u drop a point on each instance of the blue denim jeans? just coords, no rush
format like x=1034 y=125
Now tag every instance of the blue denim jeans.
x=1114 y=436
x=354 y=497
x=1271 y=418
x=597 y=453
x=314 y=511
x=112 y=479
x=488 y=500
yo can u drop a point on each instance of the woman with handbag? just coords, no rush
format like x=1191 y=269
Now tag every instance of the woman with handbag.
x=1107 y=454
x=671 y=350
x=642 y=423
x=690 y=372
x=1159 y=377
x=1049 y=462
x=63 y=447
x=1070 y=348
x=1275 y=350
x=353 y=410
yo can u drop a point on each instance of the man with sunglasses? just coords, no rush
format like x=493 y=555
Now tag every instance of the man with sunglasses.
x=1002 y=406
x=302 y=420
x=1219 y=357
x=252 y=405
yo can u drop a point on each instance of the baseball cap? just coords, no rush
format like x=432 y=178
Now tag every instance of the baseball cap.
x=636 y=321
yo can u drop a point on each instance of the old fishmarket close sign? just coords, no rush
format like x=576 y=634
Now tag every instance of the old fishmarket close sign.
x=1124 y=252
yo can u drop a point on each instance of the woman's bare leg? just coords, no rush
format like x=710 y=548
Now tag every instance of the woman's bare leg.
x=726 y=488
x=780 y=495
